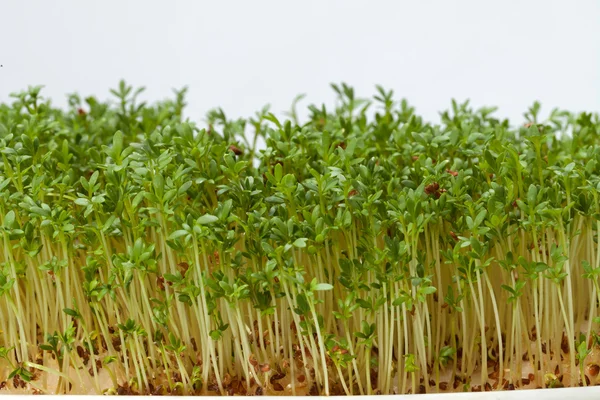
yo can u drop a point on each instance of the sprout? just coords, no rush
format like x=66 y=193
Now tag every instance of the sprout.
x=360 y=251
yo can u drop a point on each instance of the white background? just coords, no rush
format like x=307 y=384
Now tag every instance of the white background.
x=240 y=55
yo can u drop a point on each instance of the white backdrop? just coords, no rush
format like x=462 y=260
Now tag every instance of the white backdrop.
x=241 y=55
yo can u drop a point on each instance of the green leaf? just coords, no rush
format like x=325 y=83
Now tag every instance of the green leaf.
x=178 y=234
x=81 y=201
x=301 y=242
x=9 y=219
x=322 y=286
x=207 y=219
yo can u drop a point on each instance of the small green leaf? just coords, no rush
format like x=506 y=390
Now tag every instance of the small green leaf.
x=301 y=242
x=323 y=286
x=207 y=219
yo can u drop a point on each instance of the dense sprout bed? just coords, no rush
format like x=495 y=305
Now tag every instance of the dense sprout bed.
x=364 y=251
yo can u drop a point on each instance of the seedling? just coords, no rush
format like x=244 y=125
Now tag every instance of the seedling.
x=143 y=253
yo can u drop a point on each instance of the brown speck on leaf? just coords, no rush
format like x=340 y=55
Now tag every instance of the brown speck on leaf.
x=352 y=193
x=160 y=282
x=453 y=173
x=81 y=111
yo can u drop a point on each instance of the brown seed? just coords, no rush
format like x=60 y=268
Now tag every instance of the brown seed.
x=301 y=378
x=236 y=150
x=158 y=390
x=278 y=387
x=593 y=369
x=184 y=267
x=432 y=188
x=252 y=360
x=564 y=344
x=488 y=387
x=421 y=389
x=511 y=386
x=531 y=377
x=213 y=387
x=431 y=382
x=476 y=388
x=587 y=381
x=277 y=377
x=314 y=390
x=525 y=381
x=265 y=368
x=444 y=385
x=160 y=282
x=259 y=391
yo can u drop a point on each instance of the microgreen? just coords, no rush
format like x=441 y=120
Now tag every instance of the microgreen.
x=361 y=251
